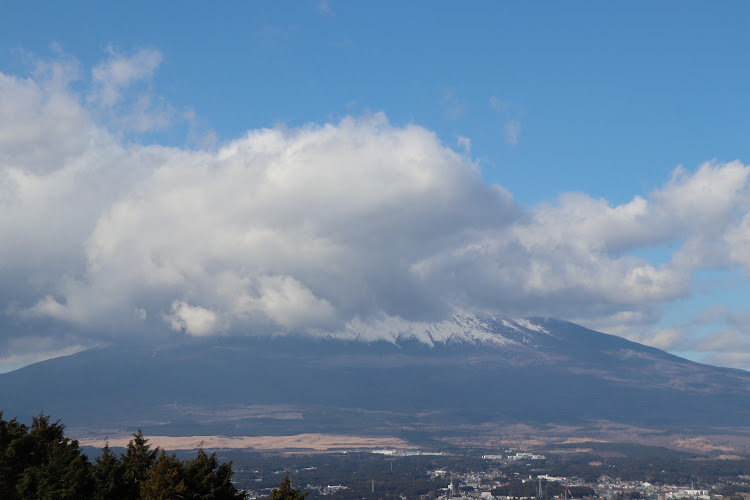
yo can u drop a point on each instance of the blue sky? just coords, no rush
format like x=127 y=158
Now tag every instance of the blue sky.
x=609 y=97
x=601 y=99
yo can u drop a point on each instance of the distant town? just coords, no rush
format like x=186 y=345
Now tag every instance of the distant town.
x=511 y=474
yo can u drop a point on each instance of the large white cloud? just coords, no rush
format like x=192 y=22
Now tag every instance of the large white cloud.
x=41 y=124
x=319 y=228
x=292 y=229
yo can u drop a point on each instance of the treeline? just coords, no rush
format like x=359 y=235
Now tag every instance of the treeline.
x=356 y=470
x=39 y=462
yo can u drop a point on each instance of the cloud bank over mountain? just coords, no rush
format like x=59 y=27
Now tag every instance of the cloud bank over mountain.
x=316 y=228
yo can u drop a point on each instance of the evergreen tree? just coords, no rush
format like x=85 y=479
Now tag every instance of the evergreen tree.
x=137 y=462
x=165 y=479
x=207 y=480
x=109 y=476
x=40 y=463
x=54 y=466
x=15 y=451
x=286 y=492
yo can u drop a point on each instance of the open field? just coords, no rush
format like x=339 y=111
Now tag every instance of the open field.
x=717 y=442
x=310 y=442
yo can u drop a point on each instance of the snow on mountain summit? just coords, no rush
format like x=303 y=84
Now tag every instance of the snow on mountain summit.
x=461 y=327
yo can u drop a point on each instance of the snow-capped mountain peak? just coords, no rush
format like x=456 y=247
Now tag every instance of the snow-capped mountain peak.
x=461 y=327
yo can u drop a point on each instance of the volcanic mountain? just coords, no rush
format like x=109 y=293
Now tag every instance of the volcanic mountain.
x=468 y=370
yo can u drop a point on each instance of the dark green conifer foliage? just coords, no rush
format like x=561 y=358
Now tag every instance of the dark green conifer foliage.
x=165 y=479
x=207 y=479
x=40 y=463
x=15 y=451
x=137 y=462
x=109 y=476
x=286 y=492
x=53 y=466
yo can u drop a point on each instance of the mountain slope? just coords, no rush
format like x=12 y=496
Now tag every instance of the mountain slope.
x=466 y=371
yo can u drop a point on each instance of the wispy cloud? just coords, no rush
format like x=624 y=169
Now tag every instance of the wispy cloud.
x=512 y=125
x=512 y=132
x=453 y=107
x=497 y=105
x=464 y=143
x=324 y=7
x=122 y=91
x=668 y=339
x=33 y=349
x=120 y=71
